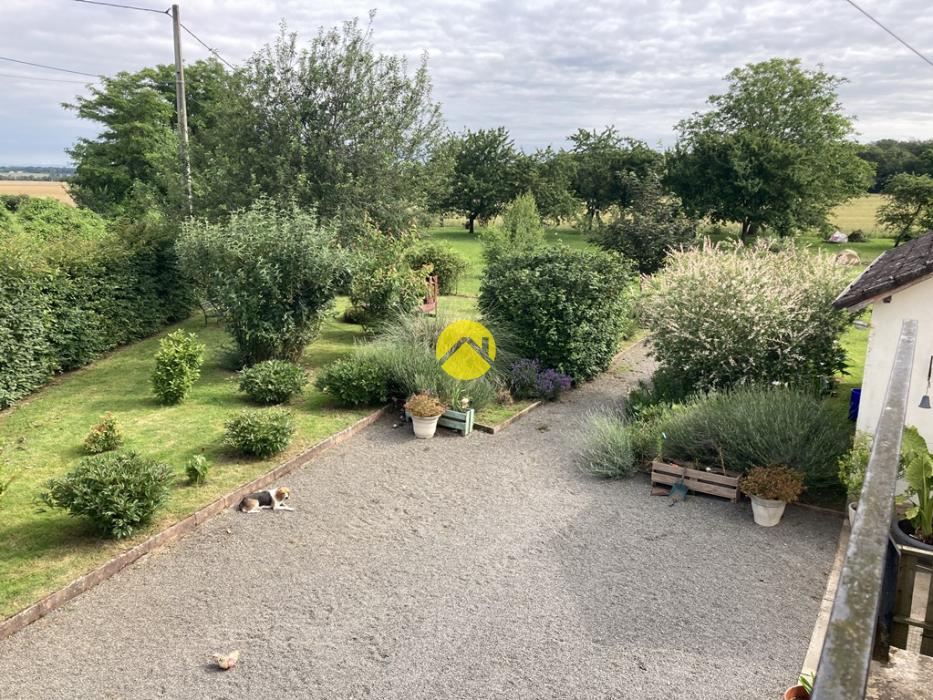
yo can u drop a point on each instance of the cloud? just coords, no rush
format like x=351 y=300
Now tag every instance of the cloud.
x=540 y=68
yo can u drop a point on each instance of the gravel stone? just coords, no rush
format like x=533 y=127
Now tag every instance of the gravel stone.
x=480 y=567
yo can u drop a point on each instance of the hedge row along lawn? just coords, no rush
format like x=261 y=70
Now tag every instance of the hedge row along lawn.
x=42 y=437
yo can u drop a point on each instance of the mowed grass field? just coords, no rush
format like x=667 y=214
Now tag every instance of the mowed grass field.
x=41 y=438
x=37 y=188
x=858 y=213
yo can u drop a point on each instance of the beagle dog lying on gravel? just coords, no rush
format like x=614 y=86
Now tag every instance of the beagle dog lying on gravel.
x=271 y=499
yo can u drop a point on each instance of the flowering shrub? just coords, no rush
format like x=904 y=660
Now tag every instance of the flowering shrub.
x=721 y=317
x=528 y=381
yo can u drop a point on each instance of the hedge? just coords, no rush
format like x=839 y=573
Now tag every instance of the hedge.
x=68 y=296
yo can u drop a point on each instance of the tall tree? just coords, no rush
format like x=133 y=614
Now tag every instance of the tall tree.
x=133 y=163
x=487 y=173
x=602 y=162
x=890 y=157
x=552 y=185
x=334 y=125
x=908 y=207
x=774 y=151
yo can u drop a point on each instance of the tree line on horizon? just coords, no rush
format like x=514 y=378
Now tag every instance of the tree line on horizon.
x=336 y=126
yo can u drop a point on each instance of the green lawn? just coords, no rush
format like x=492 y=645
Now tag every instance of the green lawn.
x=470 y=246
x=42 y=438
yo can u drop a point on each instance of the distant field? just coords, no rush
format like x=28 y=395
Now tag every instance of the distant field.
x=37 y=188
x=858 y=213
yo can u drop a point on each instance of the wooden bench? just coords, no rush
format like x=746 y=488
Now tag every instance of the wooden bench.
x=430 y=299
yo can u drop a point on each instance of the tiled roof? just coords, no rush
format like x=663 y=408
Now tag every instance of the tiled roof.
x=894 y=269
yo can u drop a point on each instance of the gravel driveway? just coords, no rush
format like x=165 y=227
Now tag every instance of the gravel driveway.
x=479 y=567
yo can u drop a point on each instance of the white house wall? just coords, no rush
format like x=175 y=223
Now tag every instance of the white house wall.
x=914 y=302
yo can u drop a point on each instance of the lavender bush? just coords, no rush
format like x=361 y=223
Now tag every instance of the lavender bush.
x=528 y=381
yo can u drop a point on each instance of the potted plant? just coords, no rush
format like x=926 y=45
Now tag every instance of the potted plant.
x=916 y=528
x=425 y=409
x=803 y=689
x=852 y=467
x=771 y=488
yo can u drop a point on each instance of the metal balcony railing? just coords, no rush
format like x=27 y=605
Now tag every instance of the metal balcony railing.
x=845 y=662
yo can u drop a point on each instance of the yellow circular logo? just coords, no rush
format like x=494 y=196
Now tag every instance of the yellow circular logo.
x=465 y=350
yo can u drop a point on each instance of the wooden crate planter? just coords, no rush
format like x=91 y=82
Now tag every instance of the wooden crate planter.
x=715 y=483
x=461 y=421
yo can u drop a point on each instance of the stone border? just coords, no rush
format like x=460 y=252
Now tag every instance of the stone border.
x=812 y=659
x=175 y=532
x=493 y=429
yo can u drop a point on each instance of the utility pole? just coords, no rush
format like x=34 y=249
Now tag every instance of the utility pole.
x=182 y=109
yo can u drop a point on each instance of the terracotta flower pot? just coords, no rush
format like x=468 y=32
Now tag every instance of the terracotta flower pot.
x=797 y=692
x=425 y=427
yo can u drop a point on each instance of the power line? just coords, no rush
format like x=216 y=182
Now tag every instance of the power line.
x=920 y=55
x=163 y=12
x=42 y=65
x=213 y=51
x=125 y=7
x=36 y=77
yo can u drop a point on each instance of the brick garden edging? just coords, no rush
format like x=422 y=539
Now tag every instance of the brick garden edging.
x=55 y=600
x=493 y=429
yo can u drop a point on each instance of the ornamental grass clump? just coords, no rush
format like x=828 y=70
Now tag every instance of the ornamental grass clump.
x=721 y=317
x=425 y=405
x=607 y=445
x=776 y=482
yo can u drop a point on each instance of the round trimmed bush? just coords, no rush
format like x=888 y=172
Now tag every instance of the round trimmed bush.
x=260 y=433
x=566 y=308
x=358 y=380
x=118 y=491
x=273 y=381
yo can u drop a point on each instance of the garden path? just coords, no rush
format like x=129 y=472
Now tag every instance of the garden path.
x=479 y=567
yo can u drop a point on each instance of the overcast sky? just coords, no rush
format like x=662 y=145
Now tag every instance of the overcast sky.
x=542 y=69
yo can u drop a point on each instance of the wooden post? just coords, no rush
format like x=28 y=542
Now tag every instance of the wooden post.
x=182 y=109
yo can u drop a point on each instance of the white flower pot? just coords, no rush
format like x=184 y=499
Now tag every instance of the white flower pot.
x=767 y=513
x=853 y=506
x=424 y=427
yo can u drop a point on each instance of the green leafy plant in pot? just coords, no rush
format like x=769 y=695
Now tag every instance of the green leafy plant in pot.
x=916 y=528
x=771 y=488
x=425 y=409
x=852 y=467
